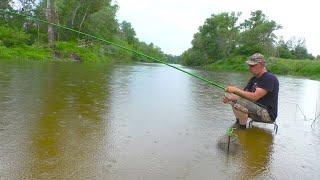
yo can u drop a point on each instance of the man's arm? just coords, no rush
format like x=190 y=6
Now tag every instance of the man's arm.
x=252 y=96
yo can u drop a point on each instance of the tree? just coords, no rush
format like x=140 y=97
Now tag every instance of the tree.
x=4 y=5
x=283 y=49
x=103 y=23
x=50 y=19
x=128 y=32
x=76 y=14
x=215 y=40
x=258 y=35
x=298 y=49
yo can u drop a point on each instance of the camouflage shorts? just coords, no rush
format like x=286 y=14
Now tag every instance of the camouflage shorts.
x=255 y=112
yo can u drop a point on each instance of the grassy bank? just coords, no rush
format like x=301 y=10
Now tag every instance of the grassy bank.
x=64 y=51
x=301 y=68
x=17 y=44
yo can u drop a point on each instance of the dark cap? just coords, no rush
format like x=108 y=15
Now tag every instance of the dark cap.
x=255 y=59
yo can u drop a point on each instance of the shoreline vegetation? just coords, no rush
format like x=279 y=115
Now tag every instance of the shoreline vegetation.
x=69 y=51
x=290 y=67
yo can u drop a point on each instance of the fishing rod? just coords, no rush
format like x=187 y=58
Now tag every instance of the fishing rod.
x=116 y=45
x=122 y=47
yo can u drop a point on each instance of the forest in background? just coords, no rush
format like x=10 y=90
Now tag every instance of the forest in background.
x=222 y=37
x=20 y=37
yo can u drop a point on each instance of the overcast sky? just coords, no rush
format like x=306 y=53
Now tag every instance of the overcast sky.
x=171 y=24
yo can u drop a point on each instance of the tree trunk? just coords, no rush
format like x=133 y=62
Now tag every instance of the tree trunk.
x=74 y=15
x=50 y=19
x=83 y=19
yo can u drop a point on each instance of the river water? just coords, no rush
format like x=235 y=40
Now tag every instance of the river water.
x=147 y=121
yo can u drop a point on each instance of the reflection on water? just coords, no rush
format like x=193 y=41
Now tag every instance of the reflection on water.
x=250 y=150
x=144 y=121
x=257 y=148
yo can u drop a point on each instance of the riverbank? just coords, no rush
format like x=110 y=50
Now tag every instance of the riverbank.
x=64 y=51
x=301 y=68
x=72 y=51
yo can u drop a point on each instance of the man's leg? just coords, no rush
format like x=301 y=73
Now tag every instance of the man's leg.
x=241 y=116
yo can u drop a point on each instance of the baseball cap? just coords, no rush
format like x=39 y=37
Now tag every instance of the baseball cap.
x=255 y=59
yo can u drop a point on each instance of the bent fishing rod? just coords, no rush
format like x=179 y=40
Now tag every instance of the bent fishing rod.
x=116 y=45
x=121 y=47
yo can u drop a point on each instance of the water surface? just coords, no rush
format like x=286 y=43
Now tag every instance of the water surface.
x=146 y=121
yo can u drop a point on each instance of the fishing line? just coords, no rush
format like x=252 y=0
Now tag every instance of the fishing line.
x=116 y=45
x=122 y=47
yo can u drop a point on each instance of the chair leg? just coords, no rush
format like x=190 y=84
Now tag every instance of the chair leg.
x=276 y=127
x=250 y=124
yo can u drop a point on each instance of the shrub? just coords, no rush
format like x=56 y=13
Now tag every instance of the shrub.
x=10 y=37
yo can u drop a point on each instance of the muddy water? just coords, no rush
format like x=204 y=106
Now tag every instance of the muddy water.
x=146 y=121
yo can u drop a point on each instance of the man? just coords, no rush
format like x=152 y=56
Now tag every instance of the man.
x=261 y=91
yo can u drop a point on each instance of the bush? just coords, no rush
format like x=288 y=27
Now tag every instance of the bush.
x=10 y=37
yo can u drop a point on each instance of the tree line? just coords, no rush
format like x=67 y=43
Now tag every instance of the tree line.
x=95 y=17
x=222 y=36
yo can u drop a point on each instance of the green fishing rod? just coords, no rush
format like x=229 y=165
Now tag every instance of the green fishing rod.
x=116 y=45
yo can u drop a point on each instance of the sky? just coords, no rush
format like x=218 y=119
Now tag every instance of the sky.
x=171 y=24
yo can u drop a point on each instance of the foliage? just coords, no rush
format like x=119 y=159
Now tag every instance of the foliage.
x=173 y=59
x=215 y=40
x=221 y=42
x=127 y=32
x=103 y=23
x=149 y=50
x=220 y=39
x=95 y=17
x=236 y=63
x=292 y=49
x=25 y=52
x=10 y=37
x=257 y=35
x=306 y=68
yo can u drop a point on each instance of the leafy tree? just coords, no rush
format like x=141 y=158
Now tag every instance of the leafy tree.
x=128 y=32
x=4 y=5
x=76 y=13
x=103 y=23
x=10 y=37
x=283 y=49
x=193 y=58
x=299 y=50
x=173 y=59
x=215 y=40
x=150 y=50
x=257 y=35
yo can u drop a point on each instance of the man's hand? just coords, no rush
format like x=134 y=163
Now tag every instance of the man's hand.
x=232 y=89
x=229 y=98
x=225 y=99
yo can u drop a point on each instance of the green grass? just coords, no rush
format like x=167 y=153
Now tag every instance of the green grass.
x=25 y=52
x=63 y=52
x=304 y=68
x=301 y=68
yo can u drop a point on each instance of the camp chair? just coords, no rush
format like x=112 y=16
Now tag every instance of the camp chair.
x=274 y=123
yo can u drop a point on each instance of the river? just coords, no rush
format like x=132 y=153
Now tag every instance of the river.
x=147 y=121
